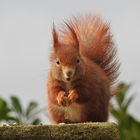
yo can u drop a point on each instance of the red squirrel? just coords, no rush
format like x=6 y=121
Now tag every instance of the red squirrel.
x=83 y=68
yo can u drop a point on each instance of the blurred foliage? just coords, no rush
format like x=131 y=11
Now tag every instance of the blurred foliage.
x=13 y=112
x=128 y=125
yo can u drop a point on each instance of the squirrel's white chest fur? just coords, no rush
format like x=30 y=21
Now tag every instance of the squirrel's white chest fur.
x=73 y=112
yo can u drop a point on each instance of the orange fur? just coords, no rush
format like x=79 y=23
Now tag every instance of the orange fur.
x=84 y=66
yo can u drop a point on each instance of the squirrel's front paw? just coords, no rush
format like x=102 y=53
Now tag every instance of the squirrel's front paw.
x=72 y=97
x=62 y=99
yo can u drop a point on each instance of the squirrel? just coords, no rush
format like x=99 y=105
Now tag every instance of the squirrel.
x=84 y=66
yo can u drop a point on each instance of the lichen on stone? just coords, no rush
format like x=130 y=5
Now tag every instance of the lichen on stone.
x=80 y=131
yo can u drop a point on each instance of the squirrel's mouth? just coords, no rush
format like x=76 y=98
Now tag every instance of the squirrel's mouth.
x=68 y=79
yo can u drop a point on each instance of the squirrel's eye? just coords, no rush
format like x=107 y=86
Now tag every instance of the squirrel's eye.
x=78 y=60
x=57 y=62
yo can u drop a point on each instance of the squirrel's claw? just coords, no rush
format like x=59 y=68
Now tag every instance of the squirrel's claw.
x=72 y=97
x=61 y=99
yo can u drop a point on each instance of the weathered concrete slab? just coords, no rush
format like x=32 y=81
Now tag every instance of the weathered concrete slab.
x=81 y=131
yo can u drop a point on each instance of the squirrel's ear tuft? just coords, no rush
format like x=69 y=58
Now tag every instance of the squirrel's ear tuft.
x=73 y=34
x=55 y=37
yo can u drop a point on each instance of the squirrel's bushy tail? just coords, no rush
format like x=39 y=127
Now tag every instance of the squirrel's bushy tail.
x=95 y=42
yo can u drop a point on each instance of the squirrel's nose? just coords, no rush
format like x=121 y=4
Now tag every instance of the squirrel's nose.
x=69 y=73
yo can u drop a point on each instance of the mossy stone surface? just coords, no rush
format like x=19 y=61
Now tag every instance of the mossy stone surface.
x=80 y=131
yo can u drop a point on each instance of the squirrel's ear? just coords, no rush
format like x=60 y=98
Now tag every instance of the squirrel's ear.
x=55 y=37
x=73 y=34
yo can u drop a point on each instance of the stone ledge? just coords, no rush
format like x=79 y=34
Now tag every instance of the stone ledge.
x=81 y=131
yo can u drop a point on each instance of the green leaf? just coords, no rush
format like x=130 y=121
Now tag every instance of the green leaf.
x=35 y=121
x=14 y=112
x=32 y=106
x=16 y=104
x=129 y=127
x=115 y=113
x=13 y=119
x=4 y=109
x=122 y=90
x=127 y=103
